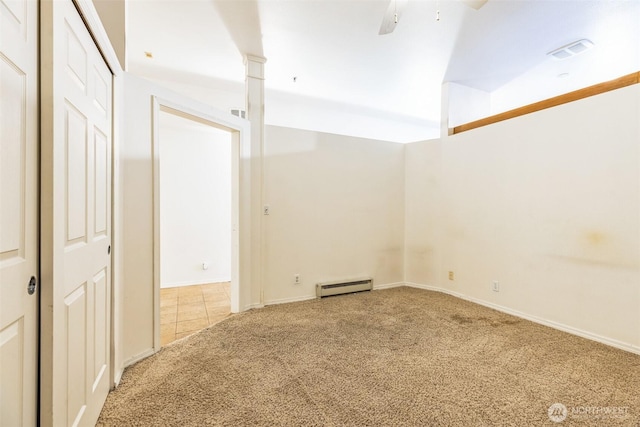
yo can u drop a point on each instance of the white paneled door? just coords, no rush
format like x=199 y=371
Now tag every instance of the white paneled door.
x=76 y=97
x=18 y=212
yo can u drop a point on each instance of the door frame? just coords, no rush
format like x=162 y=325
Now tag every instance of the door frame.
x=240 y=149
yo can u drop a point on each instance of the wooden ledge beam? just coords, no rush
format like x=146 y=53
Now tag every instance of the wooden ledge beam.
x=620 y=82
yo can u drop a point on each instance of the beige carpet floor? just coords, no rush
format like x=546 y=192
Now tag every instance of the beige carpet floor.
x=396 y=357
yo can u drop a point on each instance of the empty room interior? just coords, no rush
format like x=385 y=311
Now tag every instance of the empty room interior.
x=320 y=212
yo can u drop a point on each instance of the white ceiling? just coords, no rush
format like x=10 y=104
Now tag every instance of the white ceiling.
x=334 y=50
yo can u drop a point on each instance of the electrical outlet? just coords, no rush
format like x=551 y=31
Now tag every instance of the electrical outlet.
x=496 y=286
x=205 y=265
x=451 y=275
x=296 y=279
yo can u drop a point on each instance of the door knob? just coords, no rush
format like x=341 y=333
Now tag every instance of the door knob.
x=31 y=288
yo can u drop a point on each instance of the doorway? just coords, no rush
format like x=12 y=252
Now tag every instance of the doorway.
x=235 y=134
x=195 y=225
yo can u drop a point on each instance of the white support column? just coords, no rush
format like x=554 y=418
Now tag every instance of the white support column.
x=445 y=131
x=255 y=114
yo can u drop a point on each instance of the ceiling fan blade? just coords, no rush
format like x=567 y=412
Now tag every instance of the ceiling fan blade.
x=392 y=16
x=475 y=4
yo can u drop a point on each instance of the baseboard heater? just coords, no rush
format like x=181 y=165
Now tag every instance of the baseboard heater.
x=343 y=287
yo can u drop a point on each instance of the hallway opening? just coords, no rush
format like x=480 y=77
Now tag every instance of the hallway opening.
x=195 y=225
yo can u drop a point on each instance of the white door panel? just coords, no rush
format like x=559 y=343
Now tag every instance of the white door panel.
x=18 y=211
x=76 y=215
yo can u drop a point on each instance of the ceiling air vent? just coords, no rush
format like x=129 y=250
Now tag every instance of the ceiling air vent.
x=571 y=49
x=240 y=113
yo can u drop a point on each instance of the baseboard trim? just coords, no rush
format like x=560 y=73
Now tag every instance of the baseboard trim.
x=138 y=357
x=252 y=306
x=550 y=323
x=118 y=377
x=388 y=286
x=288 y=300
x=428 y=288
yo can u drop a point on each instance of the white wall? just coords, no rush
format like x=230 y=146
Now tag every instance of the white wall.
x=136 y=175
x=422 y=212
x=336 y=211
x=195 y=202
x=136 y=251
x=548 y=204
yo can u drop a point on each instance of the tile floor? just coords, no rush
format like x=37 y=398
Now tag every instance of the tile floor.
x=188 y=309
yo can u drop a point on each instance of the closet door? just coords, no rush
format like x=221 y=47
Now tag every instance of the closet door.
x=76 y=219
x=18 y=212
